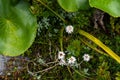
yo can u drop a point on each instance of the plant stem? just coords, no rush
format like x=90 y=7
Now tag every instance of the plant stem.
x=94 y=48
x=45 y=70
x=61 y=38
x=52 y=11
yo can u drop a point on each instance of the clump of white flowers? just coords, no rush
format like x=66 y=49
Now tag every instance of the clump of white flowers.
x=71 y=61
x=86 y=57
x=69 y=29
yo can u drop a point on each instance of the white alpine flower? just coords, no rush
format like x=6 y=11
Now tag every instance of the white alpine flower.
x=61 y=55
x=86 y=57
x=71 y=60
x=69 y=29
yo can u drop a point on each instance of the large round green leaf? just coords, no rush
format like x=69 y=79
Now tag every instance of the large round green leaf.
x=73 y=5
x=110 y=6
x=17 y=27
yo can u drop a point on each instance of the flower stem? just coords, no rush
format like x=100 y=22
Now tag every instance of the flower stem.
x=61 y=38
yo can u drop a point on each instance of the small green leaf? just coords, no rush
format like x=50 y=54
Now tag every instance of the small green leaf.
x=112 y=7
x=17 y=28
x=73 y=5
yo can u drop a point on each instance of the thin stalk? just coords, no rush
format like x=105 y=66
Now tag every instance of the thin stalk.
x=52 y=10
x=61 y=38
x=45 y=70
x=94 y=48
